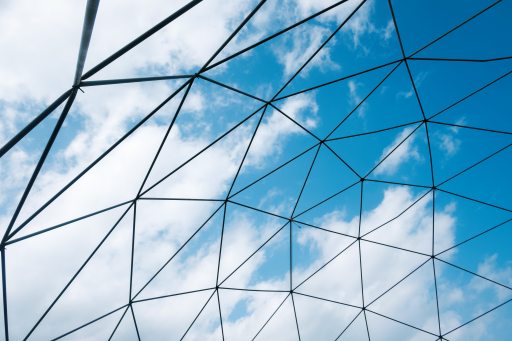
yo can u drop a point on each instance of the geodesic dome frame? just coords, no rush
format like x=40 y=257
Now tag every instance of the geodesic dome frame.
x=290 y=222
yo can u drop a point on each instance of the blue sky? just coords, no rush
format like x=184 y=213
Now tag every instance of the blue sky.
x=327 y=207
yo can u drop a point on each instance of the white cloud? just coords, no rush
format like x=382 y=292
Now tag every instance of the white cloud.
x=195 y=103
x=14 y=170
x=355 y=97
x=448 y=141
x=339 y=14
x=389 y=30
x=38 y=59
x=503 y=274
x=460 y=121
x=404 y=152
x=418 y=81
x=304 y=42
x=360 y=24
x=352 y=87
x=405 y=94
x=449 y=144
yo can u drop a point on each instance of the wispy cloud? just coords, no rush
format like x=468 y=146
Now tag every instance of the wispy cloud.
x=402 y=149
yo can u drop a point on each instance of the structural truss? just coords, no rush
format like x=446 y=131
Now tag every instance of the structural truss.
x=290 y=221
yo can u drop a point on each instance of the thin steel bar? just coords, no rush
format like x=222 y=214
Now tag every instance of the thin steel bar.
x=140 y=300
x=220 y=314
x=51 y=228
x=307 y=225
x=89 y=323
x=118 y=322
x=132 y=254
x=220 y=244
x=475 y=200
x=305 y=182
x=397 y=183
x=471 y=94
x=326 y=144
x=246 y=152
x=271 y=316
x=295 y=315
x=258 y=210
x=471 y=127
x=374 y=131
x=474 y=274
x=132 y=80
x=338 y=80
x=361 y=258
x=401 y=322
x=326 y=300
x=350 y=323
x=90 y=16
x=254 y=290
x=197 y=316
x=213 y=81
x=135 y=322
x=396 y=247
x=479 y=316
x=179 y=199
x=290 y=256
x=460 y=59
x=4 y=294
x=474 y=236
x=436 y=291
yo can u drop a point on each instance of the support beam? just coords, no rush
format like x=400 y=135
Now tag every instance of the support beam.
x=90 y=17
